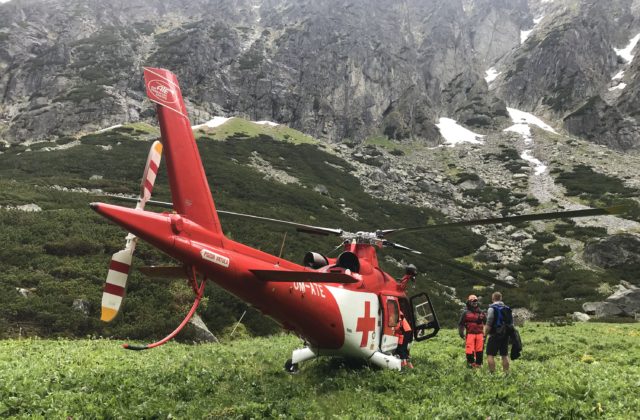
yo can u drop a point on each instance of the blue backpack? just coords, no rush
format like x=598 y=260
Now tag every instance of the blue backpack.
x=503 y=321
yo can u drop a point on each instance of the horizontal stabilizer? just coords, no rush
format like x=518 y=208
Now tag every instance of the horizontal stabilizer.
x=303 y=276
x=165 y=272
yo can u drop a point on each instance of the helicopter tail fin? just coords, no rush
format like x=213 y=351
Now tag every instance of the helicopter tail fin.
x=190 y=190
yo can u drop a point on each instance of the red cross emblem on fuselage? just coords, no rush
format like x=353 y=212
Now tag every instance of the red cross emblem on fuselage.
x=366 y=324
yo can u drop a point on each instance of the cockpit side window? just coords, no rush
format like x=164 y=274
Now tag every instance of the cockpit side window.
x=393 y=313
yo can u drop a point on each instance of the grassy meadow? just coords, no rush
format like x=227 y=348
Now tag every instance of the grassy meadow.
x=577 y=371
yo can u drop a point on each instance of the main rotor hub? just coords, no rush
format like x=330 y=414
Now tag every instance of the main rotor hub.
x=370 y=238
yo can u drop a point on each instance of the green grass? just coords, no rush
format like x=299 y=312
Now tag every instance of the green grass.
x=241 y=128
x=577 y=371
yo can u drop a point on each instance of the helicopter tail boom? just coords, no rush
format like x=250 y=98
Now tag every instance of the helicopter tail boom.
x=190 y=190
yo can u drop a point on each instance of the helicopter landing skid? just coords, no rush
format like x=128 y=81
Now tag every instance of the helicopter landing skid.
x=298 y=356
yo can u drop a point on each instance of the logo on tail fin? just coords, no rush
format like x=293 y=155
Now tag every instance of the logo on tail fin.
x=163 y=91
x=160 y=91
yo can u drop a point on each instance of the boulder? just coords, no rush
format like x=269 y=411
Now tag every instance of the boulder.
x=521 y=315
x=602 y=309
x=202 y=333
x=580 y=317
x=616 y=251
x=626 y=299
x=520 y=235
x=321 y=189
x=25 y=293
x=554 y=263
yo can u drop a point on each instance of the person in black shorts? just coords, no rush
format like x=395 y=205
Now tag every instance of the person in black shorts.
x=499 y=323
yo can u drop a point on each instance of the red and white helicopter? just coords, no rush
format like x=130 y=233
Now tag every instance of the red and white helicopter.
x=344 y=306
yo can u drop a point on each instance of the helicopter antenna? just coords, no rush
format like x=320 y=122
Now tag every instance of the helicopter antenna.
x=336 y=248
x=284 y=238
x=238 y=323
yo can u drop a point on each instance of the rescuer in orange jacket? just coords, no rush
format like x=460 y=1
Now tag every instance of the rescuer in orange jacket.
x=472 y=320
x=405 y=336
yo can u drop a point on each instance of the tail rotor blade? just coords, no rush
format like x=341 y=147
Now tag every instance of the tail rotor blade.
x=114 y=288
x=116 y=283
x=150 y=173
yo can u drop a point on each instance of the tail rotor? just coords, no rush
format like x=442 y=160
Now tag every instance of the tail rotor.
x=115 y=286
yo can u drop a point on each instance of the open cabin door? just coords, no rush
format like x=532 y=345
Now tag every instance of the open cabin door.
x=426 y=323
x=390 y=319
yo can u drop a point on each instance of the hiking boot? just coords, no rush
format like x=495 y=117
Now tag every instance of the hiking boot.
x=410 y=365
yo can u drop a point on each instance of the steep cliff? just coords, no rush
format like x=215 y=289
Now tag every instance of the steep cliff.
x=332 y=69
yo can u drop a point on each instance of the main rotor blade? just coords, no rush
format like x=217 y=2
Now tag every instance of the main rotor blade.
x=456 y=266
x=299 y=226
x=303 y=276
x=318 y=230
x=402 y=247
x=473 y=273
x=157 y=203
x=513 y=219
x=171 y=272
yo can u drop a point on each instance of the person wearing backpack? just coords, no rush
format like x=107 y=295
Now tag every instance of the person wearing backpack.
x=499 y=327
x=472 y=320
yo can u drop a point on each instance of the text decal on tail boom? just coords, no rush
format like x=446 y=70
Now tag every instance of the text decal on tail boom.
x=163 y=92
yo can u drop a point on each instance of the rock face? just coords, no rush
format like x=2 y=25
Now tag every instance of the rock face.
x=333 y=69
x=617 y=251
x=330 y=68
x=563 y=61
x=565 y=70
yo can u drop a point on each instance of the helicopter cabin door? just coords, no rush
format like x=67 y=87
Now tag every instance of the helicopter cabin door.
x=425 y=321
x=390 y=319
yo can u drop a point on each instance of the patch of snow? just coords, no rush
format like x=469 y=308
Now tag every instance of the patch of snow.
x=269 y=123
x=454 y=133
x=522 y=129
x=619 y=86
x=540 y=167
x=538 y=20
x=109 y=128
x=522 y=121
x=619 y=75
x=491 y=74
x=625 y=53
x=521 y=117
x=524 y=35
x=215 y=122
